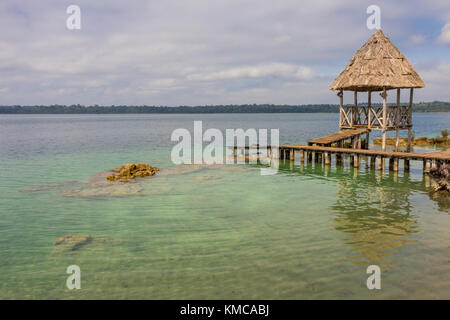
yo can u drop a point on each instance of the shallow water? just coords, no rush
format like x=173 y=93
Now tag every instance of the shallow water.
x=307 y=232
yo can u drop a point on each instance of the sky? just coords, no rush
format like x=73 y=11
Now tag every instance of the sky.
x=207 y=52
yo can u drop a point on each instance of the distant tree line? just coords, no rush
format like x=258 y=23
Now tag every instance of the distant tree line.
x=435 y=106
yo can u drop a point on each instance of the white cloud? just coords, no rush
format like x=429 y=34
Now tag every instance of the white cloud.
x=445 y=34
x=280 y=70
x=417 y=39
x=193 y=52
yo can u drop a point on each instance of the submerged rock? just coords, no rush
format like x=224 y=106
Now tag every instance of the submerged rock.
x=206 y=177
x=129 y=171
x=49 y=187
x=72 y=242
x=114 y=190
x=99 y=185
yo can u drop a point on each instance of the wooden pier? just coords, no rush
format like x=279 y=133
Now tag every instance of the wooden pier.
x=338 y=139
x=376 y=157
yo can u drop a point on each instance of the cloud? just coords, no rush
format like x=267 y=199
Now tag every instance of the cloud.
x=417 y=39
x=279 y=70
x=445 y=34
x=196 y=52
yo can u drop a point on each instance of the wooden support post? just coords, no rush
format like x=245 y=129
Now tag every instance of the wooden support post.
x=391 y=163
x=397 y=138
x=356 y=161
x=369 y=107
x=327 y=158
x=366 y=146
x=395 y=162
x=411 y=93
x=372 y=162
x=341 y=108
x=384 y=127
x=379 y=163
x=397 y=121
x=291 y=155
x=302 y=157
x=406 y=165
x=427 y=180
x=318 y=157
x=408 y=148
x=434 y=164
x=427 y=165
x=359 y=142
x=309 y=157
x=355 y=109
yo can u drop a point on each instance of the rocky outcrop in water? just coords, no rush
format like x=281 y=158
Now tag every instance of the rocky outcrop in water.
x=442 y=177
x=129 y=171
x=71 y=242
x=99 y=186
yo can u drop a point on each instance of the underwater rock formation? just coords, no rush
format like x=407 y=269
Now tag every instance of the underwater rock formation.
x=206 y=177
x=98 y=185
x=71 y=242
x=129 y=171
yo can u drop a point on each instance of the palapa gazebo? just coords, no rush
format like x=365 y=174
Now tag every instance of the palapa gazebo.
x=378 y=66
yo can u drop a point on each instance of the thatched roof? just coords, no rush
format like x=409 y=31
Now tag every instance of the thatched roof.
x=376 y=65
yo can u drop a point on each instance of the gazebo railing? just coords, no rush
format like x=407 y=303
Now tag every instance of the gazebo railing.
x=372 y=117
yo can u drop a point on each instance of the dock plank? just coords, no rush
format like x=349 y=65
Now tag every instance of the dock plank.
x=338 y=136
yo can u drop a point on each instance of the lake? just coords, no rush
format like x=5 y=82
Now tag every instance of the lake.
x=219 y=232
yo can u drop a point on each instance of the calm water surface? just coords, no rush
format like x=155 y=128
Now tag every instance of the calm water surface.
x=213 y=233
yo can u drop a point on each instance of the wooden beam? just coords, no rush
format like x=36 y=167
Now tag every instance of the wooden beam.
x=341 y=107
x=369 y=107
x=355 y=108
x=397 y=121
x=383 y=143
x=411 y=93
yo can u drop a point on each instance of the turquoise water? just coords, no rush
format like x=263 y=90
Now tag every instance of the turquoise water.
x=221 y=232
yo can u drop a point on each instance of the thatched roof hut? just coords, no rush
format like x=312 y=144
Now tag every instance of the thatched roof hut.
x=376 y=65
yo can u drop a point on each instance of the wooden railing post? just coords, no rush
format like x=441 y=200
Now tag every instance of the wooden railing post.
x=384 y=125
x=397 y=121
x=341 y=107
x=410 y=119
x=369 y=107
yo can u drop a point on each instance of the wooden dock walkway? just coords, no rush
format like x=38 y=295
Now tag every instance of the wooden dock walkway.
x=338 y=138
x=430 y=160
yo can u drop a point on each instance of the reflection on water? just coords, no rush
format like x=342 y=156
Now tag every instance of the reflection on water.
x=377 y=221
x=373 y=209
x=226 y=233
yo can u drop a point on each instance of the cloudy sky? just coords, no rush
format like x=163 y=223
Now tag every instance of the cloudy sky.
x=199 y=52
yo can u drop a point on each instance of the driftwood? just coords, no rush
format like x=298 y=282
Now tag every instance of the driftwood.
x=442 y=177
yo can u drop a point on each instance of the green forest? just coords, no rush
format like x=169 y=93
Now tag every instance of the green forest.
x=435 y=106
